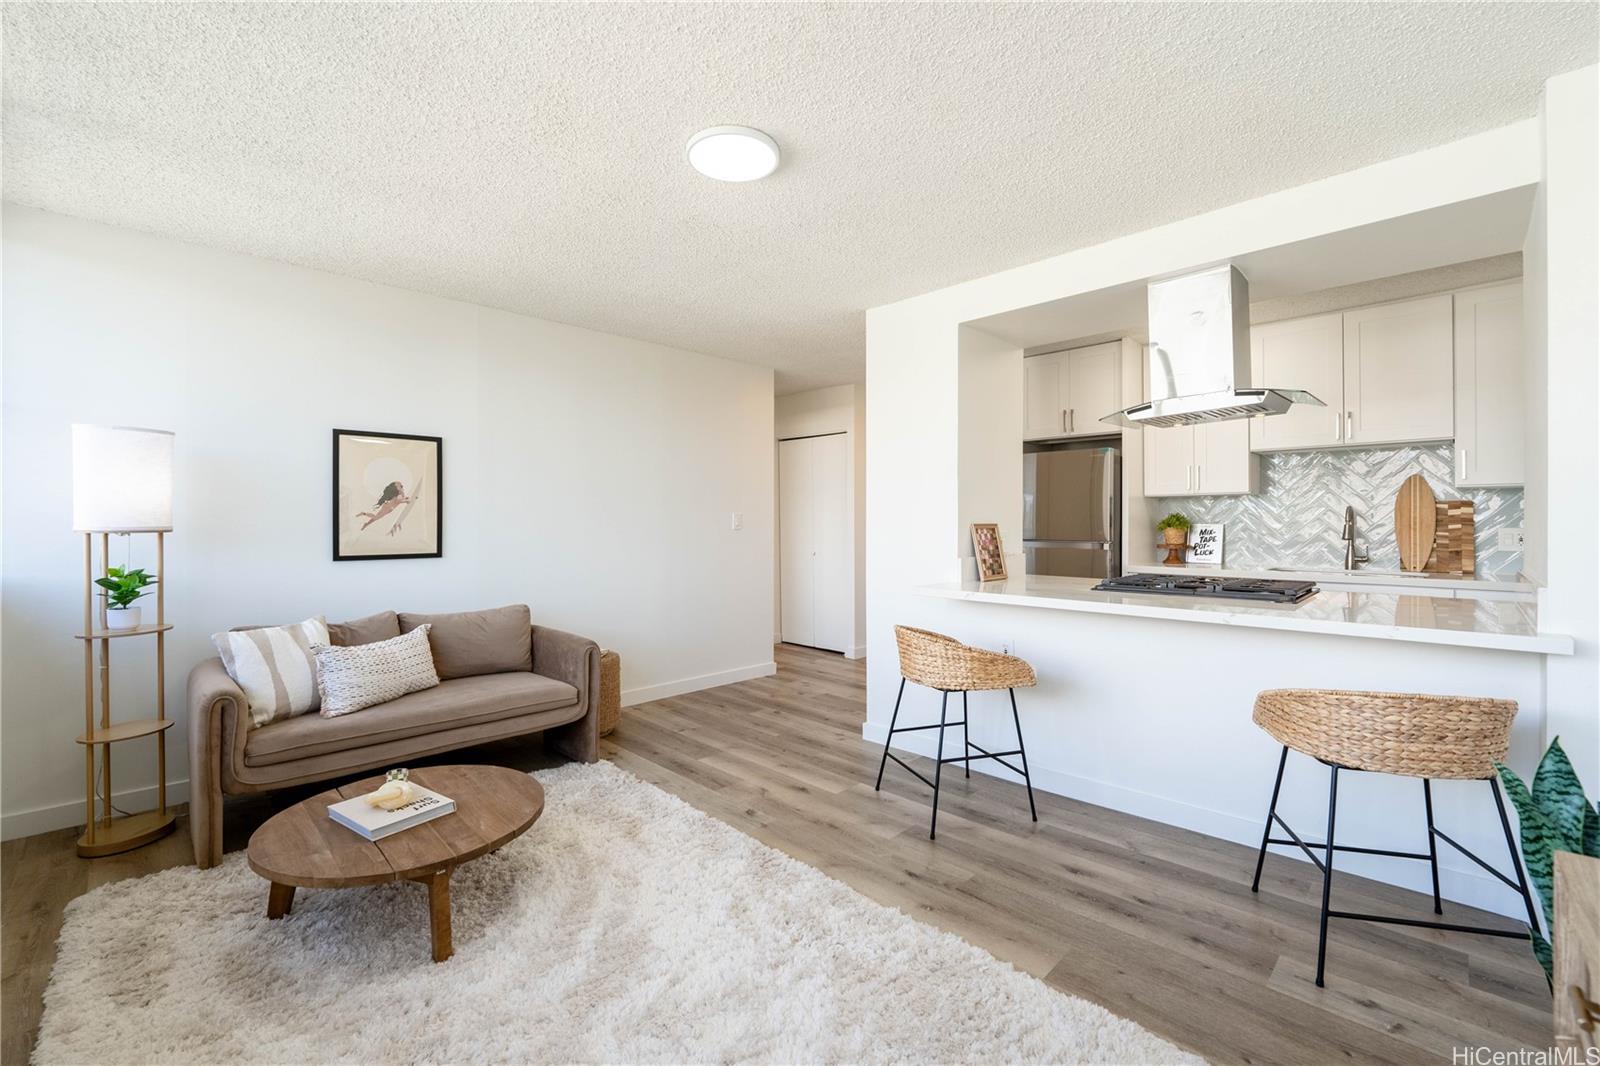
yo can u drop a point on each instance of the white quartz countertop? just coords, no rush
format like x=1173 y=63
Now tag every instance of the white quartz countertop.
x=1501 y=625
x=1364 y=576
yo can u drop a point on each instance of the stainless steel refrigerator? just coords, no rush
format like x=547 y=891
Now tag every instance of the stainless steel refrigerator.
x=1072 y=512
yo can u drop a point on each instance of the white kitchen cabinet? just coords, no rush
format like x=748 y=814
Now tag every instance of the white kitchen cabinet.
x=1206 y=460
x=1044 y=383
x=1223 y=463
x=1489 y=400
x=1067 y=393
x=1399 y=369
x=1169 y=461
x=1302 y=353
x=1094 y=388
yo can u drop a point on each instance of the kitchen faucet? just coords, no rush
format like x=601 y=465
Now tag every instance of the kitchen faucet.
x=1351 y=559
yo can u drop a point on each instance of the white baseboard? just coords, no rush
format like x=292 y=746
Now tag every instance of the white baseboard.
x=1457 y=883
x=857 y=652
x=634 y=696
x=27 y=823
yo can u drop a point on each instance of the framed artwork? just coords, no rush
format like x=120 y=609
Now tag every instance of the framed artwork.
x=1205 y=547
x=388 y=496
x=986 y=551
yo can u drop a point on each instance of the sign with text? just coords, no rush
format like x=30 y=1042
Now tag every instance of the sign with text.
x=1205 y=545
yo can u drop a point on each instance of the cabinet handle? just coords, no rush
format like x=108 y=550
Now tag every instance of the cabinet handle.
x=1338 y=426
x=1197 y=477
x=1188 y=476
x=1064 y=420
x=1349 y=425
x=1072 y=420
x=1463 y=464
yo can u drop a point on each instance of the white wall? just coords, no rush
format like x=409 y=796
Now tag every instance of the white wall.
x=1154 y=718
x=588 y=475
x=837 y=409
x=989 y=423
x=1562 y=315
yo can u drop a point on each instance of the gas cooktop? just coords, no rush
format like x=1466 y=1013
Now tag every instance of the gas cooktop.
x=1236 y=588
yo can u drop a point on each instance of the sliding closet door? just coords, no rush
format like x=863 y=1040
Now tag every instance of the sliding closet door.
x=814 y=549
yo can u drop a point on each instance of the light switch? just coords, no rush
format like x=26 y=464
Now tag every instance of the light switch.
x=736 y=521
x=1510 y=540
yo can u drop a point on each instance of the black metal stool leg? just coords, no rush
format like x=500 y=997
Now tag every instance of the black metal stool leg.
x=1433 y=843
x=893 y=718
x=1272 y=809
x=938 y=765
x=966 y=745
x=1022 y=750
x=1516 y=858
x=1327 y=871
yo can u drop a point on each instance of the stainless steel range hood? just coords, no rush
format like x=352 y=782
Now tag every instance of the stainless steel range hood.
x=1199 y=355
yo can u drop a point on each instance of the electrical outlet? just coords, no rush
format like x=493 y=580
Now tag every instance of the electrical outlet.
x=736 y=521
x=1510 y=540
x=1008 y=647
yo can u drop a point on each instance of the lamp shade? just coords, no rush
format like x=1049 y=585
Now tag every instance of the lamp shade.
x=121 y=479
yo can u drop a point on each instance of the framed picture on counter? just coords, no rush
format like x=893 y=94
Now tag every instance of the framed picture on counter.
x=1205 y=545
x=987 y=551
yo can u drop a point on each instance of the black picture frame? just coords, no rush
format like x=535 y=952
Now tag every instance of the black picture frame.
x=438 y=495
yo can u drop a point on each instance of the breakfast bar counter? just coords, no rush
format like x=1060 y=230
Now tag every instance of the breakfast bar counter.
x=1470 y=623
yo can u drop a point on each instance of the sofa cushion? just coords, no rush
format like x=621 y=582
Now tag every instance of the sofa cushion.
x=275 y=667
x=477 y=642
x=385 y=625
x=352 y=679
x=451 y=704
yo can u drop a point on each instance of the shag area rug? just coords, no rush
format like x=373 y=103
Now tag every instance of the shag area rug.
x=625 y=926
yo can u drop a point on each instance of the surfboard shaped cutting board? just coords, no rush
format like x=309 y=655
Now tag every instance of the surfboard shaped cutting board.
x=1415 y=519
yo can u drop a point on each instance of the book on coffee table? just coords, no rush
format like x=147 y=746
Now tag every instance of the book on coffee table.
x=375 y=823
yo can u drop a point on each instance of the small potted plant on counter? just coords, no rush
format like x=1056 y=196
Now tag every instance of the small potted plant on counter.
x=122 y=589
x=1174 y=530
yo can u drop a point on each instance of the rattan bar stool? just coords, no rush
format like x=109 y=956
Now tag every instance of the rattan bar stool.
x=1431 y=737
x=939 y=662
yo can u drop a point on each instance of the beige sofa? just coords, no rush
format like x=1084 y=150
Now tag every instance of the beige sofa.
x=492 y=686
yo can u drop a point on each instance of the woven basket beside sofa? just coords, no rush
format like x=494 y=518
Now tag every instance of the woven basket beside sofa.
x=610 y=710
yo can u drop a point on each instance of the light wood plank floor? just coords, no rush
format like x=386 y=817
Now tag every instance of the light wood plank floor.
x=1158 y=924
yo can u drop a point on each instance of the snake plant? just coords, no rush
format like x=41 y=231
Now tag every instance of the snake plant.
x=1556 y=816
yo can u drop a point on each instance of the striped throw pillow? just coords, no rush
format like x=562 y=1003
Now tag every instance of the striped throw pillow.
x=275 y=667
x=353 y=678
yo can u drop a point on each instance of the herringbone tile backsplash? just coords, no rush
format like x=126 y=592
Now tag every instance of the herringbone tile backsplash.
x=1295 y=520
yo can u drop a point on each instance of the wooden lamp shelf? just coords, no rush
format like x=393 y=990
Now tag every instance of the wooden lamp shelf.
x=139 y=727
x=106 y=831
x=112 y=634
x=126 y=832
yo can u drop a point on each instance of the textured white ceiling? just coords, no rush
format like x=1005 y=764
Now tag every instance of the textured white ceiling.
x=531 y=156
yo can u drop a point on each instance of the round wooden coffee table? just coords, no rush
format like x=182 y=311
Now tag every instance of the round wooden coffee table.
x=303 y=847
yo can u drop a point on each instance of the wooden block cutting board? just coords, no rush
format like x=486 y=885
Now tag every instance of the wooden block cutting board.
x=1454 y=539
x=1415 y=520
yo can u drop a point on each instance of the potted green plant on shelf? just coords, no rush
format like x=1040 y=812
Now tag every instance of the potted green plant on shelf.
x=122 y=589
x=1174 y=530
x=1555 y=816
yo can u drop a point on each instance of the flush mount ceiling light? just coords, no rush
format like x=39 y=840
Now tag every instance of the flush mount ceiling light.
x=733 y=153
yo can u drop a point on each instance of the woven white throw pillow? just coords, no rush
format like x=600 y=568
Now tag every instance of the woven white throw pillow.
x=274 y=666
x=355 y=678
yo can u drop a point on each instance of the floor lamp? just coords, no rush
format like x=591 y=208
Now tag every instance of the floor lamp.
x=121 y=484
